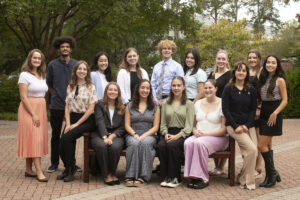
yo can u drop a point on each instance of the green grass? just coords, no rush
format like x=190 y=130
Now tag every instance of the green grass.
x=9 y=116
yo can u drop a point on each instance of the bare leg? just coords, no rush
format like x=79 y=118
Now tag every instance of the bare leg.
x=258 y=166
x=29 y=166
x=37 y=164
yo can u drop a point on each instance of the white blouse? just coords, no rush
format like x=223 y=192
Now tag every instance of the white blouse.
x=36 y=87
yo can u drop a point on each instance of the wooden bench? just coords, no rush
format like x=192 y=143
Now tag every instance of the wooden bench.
x=229 y=153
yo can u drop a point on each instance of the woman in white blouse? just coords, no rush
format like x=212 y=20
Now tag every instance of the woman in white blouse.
x=101 y=74
x=32 y=116
x=130 y=74
x=80 y=102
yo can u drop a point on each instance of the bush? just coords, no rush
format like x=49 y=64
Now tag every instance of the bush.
x=292 y=110
x=9 y=94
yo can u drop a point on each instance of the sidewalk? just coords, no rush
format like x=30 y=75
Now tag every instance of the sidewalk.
x=13 y=184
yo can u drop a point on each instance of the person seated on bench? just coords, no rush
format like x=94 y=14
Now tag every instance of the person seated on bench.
x=107 y=140
x=142 y=117
x=209 y=137
x=176 y=124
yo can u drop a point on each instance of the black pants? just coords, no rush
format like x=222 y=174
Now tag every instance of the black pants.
x=170 y=155
x=68 y=140
x=107 y=156
x=56 y=120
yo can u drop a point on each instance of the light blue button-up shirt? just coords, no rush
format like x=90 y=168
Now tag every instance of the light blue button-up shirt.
x=191 y=82
x=172 y=69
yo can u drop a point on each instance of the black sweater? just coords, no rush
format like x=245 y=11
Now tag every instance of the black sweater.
x=238 y=106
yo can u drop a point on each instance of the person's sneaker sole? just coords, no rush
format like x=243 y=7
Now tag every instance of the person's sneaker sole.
x=171 y=185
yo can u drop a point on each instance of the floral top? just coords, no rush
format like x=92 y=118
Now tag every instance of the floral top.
x=79 y=103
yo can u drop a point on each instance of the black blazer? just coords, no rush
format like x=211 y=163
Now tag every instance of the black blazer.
x=103 y=125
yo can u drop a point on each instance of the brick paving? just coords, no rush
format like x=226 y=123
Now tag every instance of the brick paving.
x=13 y=184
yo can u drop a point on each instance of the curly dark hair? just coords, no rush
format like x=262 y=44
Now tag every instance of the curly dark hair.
x=236 y=67
x=171 y=95
x=197 y=58
x=107 y=72
x=64 y=39
x=264 y=75
x=136 y=96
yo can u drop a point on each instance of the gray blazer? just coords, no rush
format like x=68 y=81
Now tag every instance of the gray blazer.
x=103 y=125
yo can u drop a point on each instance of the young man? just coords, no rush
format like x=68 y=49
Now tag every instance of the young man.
x=165 y=71
x=58 y=76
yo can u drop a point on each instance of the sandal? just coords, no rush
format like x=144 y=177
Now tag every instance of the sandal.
x=139 y=182
x=129 y=182
x=191 y=183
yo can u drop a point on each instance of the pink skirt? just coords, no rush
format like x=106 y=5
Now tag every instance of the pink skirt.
x=32 y=141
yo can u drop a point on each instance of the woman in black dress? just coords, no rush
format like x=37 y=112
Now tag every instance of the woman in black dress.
x=273 y=93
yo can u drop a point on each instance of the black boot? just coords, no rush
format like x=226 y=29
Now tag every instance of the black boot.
x=70 y=174
x=274 y=175
x=63 y=175
x=266 y=181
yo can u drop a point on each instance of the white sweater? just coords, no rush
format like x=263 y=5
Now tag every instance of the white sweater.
x=123 y=80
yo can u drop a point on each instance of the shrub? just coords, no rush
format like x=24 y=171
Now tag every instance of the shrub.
x=292 y=110
x=9 y=94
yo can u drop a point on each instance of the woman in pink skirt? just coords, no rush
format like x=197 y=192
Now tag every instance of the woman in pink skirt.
x=32 y=116
x=209 y=136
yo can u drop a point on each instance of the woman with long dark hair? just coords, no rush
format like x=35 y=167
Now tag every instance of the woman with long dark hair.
x=273 y=93
x=239 y=105
x=142 y=117
x=176 y=124
x=194 y=76
x=101 y=74
x=107 y=140
x=80 y=102
x=130 y=74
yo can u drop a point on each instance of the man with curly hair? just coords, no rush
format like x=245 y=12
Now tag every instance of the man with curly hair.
x=58 y=76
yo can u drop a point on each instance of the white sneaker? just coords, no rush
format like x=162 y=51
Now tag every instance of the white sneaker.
x=165 y=182
x=174 y=183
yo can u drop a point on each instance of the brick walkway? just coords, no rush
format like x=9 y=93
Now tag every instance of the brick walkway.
x=13 y=184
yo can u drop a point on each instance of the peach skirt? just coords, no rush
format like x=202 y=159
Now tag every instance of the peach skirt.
x=32 y=141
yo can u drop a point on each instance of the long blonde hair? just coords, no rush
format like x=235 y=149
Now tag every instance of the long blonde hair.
x=125 y=64
x=74 y=81
x=118 y=102
x=227 y=65
x=27 y=65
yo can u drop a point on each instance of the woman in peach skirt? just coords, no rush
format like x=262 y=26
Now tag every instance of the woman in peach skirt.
x=32 y=116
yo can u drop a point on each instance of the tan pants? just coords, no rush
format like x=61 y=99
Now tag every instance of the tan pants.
x=248 y=146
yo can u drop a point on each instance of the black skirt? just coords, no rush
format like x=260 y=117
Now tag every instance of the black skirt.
x=267 y=108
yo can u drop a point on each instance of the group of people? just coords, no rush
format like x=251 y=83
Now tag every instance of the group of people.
x=181 y=115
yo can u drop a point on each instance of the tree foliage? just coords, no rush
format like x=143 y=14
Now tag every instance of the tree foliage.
x=233 y=37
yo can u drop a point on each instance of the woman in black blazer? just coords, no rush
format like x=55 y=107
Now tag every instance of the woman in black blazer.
x=108 y=139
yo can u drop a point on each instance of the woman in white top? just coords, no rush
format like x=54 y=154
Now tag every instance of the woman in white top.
x=32 y=116
x=209 y=136
x=101 y=74
x=80 y=102
x=194 y=76
x=130 y=74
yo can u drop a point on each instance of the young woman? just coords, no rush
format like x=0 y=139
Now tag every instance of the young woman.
x=101 y=74
x=130 y=74
x=176 y=124
x=80 y=102
x=108 y=139
x=32 y=116
x=273 y=93
x=194 y=76
x=222 y=75
x=239 y=105
x=254 y=60
x=142 y=117
x=209 y=136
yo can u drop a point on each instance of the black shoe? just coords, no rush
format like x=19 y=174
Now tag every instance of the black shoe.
x=70 y=176
x=78 y=169
x=52 y=168
x=200 y=184
x=117 y=182
x=272 y=174
x=62 y=175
